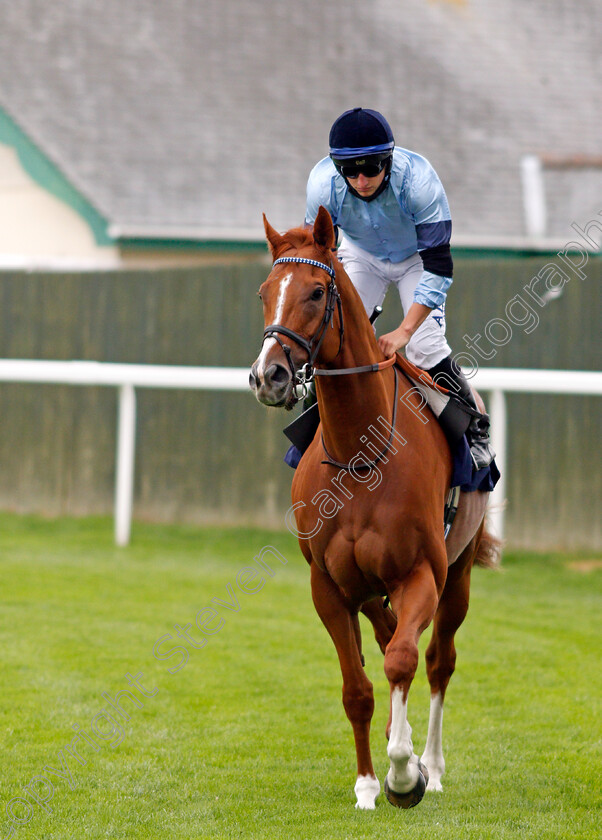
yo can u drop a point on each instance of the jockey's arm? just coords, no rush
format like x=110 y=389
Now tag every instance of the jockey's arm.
x=427 y=200
x=428 y=295
x=389 y=343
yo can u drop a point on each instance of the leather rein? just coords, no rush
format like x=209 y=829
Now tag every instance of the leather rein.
x=306 y=373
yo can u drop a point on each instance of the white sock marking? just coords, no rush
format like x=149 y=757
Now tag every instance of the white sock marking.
x=366 y=789
x=403 y=773
x=433 y=751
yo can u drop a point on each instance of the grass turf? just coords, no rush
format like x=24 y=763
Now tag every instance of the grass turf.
x=248 y=739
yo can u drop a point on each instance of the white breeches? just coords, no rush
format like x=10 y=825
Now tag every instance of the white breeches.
x=372 y=277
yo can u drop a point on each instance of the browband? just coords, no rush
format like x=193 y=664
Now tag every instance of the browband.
x=317 y=264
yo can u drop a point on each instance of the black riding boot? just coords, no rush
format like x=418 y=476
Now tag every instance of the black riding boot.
x=449 y=375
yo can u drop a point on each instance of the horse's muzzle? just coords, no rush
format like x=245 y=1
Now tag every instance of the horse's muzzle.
x=273 y=387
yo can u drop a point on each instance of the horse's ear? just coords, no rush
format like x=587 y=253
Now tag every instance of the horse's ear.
x=324 y=230
x=274 y=239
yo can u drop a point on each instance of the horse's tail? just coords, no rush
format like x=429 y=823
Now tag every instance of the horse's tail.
x=489 y=550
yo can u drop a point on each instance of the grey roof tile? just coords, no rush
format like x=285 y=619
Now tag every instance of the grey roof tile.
x=198 y=115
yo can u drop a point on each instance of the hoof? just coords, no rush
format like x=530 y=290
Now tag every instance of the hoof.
x=412 y=797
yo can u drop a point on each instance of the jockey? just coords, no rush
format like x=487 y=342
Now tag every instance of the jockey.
x=391 y=213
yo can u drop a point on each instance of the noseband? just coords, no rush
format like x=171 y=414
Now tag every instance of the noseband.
x=312 y=346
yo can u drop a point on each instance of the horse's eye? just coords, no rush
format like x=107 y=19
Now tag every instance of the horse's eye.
x=317 y=294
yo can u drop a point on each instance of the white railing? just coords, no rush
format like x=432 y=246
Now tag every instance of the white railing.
x=496 y=381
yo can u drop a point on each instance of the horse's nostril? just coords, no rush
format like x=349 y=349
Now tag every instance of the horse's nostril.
x=277 y=375
x=253 y=381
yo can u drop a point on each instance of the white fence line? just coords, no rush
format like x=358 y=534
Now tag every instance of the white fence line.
x=126 y=377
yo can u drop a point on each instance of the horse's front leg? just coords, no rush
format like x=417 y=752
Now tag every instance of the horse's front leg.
x=441 y=658
x=358 y=698
x=414 y=603
x=383 y=621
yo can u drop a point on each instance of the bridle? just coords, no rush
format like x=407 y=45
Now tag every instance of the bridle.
x=306 y=372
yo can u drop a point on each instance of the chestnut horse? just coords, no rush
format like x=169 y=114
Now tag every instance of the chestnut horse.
x=368 y=498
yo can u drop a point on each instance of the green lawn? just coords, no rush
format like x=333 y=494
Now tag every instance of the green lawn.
x=248 y=738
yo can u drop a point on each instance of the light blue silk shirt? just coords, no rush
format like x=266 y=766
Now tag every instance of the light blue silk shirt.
x=410 y=215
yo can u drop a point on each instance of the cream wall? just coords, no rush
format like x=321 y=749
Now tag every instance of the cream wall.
x=36 y=227
x=38 y=230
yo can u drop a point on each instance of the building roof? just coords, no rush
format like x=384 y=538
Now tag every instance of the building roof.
x=188 y=119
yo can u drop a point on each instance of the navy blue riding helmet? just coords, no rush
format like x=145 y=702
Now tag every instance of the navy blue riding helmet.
x=361 y=140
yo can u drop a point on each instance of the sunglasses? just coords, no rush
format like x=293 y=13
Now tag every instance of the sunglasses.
x=369 y=170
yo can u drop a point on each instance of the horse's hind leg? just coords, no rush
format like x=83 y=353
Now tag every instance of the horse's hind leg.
x=358 y=698
x=414 y=603
x=441 y=658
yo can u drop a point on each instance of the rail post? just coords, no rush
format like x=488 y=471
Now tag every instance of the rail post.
x=497 y=410
x=124 y=470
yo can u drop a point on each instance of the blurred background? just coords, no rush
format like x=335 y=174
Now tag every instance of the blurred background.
x=139 y=145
